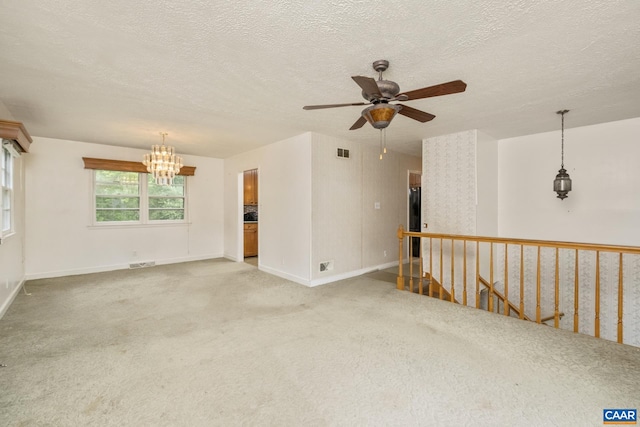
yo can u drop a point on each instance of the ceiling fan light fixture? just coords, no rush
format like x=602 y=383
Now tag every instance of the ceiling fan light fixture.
x=380 y=115
x=380 y=92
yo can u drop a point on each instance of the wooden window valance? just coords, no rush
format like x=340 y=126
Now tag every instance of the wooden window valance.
x=124 y=166
x=15 y=131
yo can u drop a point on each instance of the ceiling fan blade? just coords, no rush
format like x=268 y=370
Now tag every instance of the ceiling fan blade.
x=359 y=123
x=415 y=114
x=369 y=86
x=455 y=86
x=317 y=107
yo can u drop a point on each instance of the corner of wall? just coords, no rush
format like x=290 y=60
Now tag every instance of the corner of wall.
x=487 y=185
x=4 y=305
x=5 y=114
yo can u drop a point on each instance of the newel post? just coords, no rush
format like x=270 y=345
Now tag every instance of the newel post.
x=400 y=280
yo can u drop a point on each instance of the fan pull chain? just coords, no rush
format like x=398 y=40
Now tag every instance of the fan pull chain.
x=385 y=141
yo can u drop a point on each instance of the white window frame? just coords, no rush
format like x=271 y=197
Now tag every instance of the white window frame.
x=7 y=184
x=143 y=194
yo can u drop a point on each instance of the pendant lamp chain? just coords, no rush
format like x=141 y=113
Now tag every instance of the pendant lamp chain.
x=562 y=145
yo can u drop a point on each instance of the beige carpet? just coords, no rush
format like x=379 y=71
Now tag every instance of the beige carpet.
x=221 y=343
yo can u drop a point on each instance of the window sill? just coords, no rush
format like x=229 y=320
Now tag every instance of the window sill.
x=137 y=225
x=7 y=236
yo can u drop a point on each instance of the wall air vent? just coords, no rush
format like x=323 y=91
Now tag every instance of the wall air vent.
x=343 y=153
x=326 y=266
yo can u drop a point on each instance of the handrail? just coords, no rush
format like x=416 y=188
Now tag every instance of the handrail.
x=513 y=307
x=503 y=299
x=546 y=319
x=439 y=287
x=582 y=272
x=529 y=242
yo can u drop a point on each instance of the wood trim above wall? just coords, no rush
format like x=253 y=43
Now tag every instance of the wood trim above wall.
x=15 y=131
x=124 y=166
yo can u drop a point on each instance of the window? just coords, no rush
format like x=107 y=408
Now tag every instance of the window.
x=132 y=197
x=6 y=181
x=166 y=202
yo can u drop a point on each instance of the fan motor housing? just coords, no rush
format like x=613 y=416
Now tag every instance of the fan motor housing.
x=387 y=88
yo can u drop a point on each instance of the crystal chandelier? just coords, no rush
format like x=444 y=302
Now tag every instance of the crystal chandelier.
x=163 y=163
x=562 y=183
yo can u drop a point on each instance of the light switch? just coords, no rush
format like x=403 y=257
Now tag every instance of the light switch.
x=376 y=205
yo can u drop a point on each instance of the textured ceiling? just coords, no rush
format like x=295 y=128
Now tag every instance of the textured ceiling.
x=225 y=77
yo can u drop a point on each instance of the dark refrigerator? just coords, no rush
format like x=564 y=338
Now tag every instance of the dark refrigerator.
x=415 y=217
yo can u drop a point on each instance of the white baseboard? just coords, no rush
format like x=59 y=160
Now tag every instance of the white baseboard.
x=232 y=258
x=354 y=273
x=285 y=275
x=12 y=296
x=342 y=276
x=328 y=279
x=187 y=259
x=103 y=268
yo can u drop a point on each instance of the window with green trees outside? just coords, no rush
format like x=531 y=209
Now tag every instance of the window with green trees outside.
x=131 y=197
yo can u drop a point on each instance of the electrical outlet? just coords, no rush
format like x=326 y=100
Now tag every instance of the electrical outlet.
x=385 y=253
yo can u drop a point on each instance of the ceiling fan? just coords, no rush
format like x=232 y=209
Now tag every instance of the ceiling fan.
x=381 y=92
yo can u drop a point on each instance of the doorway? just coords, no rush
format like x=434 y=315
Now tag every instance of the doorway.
x=415 y=209
x=250 y=216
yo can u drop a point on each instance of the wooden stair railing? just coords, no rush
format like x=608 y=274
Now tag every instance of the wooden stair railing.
x=501 y=297
x=513 y=307
x=580 y=260
x=434 y=289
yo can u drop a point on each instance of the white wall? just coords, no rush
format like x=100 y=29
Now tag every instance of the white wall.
x=603 y=206
x=12 y=267
x=12 y=270
x=487 y=185
x=60 y=239
x=460 y=185
x=449 y=183
x=347 y=228
x=284 y=206
x=5 y=114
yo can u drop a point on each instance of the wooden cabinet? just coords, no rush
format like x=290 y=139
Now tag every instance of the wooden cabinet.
x=251 y=239
x=251 y=187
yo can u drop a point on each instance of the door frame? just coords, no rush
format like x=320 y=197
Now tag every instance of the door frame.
x=240 y=209
x=407 y=219
x=406 y=244
x=240 y=217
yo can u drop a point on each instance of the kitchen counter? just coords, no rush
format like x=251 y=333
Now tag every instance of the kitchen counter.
x=251 y=222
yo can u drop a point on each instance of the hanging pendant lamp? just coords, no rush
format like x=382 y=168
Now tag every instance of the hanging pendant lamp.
x=562 y=183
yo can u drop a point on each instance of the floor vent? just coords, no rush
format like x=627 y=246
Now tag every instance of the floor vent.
x=142 y=264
